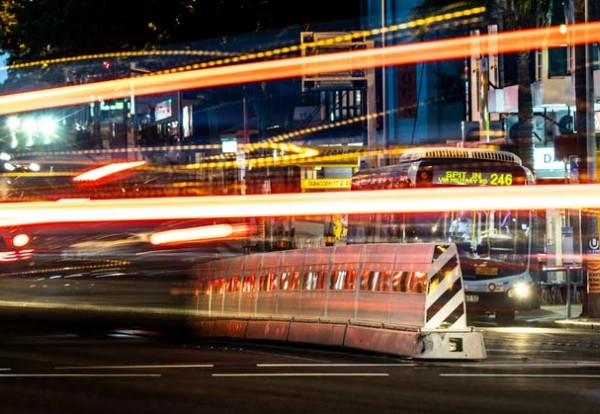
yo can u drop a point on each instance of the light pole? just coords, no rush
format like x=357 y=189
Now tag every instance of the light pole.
x=584 y=123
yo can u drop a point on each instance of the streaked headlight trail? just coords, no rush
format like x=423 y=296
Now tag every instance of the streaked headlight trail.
x=579 y=196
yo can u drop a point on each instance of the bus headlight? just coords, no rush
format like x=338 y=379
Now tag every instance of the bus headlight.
x=520 y=291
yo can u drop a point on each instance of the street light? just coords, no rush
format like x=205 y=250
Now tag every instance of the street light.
x=31 y=127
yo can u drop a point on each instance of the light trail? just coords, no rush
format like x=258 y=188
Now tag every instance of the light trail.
x=106 y=170
x=577 y=196
x=504 y=42
x=200 y=234
x=231 y=57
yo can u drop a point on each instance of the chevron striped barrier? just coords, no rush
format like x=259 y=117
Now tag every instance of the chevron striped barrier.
x=400 y=299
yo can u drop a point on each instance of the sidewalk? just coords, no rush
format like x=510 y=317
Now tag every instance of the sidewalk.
x=560 y=316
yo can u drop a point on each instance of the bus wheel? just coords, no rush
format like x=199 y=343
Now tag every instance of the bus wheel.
x=505 y=317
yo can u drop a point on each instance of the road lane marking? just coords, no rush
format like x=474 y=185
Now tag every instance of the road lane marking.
x=307 y=374
x=512 y=351
x=139 y=366
x=555 y=364
x=332 y=365
x=523 y=375
x=77 y=375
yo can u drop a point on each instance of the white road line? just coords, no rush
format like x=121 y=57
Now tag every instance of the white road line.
x=307 y=374
x=522 y=375
x=286 y=356
x=139 y=366
x=77 y=375
x=536 y=351
x=4 y=369
x=333 y=365
x=521 y=365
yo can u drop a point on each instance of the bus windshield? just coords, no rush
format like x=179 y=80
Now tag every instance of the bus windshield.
x=483 y=238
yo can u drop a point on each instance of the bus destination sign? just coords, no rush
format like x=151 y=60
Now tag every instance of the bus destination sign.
x=474 y=178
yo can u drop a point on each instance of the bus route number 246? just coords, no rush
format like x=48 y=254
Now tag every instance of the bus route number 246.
x=501 y=179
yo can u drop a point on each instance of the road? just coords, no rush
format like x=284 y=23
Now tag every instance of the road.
x=55 y=370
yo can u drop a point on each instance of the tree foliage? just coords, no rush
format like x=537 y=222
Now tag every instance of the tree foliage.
x=510 y=15
x=42 y=29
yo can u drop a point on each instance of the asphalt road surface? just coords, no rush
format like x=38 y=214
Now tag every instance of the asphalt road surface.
x=56 y=370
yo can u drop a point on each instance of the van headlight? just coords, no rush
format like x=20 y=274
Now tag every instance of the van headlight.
x=520 y=291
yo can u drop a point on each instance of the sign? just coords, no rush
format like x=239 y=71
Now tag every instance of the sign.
x=593 y=264
x=486 y=271
x=325 y=183
x=229 y=145
x=113 y=106
x=163 y=110
x=546 y=164
x=475 y=178
x=593 y=274
x=593 y=245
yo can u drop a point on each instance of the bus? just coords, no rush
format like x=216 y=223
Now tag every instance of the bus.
x=494 y=246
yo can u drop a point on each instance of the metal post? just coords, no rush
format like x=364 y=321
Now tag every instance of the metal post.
x=383 y=79
x=568 y=298
x=584 y=87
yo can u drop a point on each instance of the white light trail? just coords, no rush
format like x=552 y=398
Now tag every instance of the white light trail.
x=579 y=196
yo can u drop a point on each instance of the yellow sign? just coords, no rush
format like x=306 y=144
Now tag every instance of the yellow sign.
x=325 y=183
x=455 y=177
x=486 y=271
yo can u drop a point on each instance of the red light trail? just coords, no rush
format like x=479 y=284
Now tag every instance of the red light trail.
x=504 y=42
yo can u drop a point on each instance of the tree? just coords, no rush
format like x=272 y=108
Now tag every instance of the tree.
x=45 y=29
x=32 y=32
x=524 y=14
x=510 y=15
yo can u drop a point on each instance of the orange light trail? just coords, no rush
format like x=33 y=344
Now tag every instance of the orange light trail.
x=576 y=196
x=200 y=234
x=106 y=170
x=504 y=42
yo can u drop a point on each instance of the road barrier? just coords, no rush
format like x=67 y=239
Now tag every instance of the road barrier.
x=400 y=299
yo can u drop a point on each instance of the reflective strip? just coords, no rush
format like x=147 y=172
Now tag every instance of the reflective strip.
x=445 y=301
